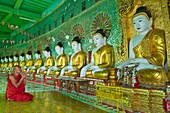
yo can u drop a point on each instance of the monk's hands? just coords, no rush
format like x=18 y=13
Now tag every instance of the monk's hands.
x=24 y=74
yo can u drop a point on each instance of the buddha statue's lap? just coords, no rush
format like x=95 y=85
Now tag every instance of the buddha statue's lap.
x=147 y=51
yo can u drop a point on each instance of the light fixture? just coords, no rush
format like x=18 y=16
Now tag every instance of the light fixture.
x=23 y=18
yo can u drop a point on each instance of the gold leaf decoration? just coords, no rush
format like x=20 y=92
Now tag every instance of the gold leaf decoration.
x=102 y=21
x=124 y=6
x=78 y=30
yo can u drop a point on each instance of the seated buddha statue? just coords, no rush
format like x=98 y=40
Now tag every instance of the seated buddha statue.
x=60 y=62
x=2 y=63
x=6 y=63
x=77 y=60
x=29 y=61
x=37 y=64
x=49 y=62
x=102 y=58
x=22 y=61
x=16 y=60
x=10 y=65
x=147 y=53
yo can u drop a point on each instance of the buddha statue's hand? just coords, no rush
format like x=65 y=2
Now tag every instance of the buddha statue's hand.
x=69 y=68
x=94 y=67
x=38 y=70
x=139 y=60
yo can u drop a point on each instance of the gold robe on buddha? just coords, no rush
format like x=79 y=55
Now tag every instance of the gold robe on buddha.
x=61 y=62
x=22 y=63
x=16 y=63
x=10 y=65
x=2 y=65
x=29 y=63
x=5 y=65
x=78 y=61
x=38 y=63
x=152 y=48
x=104 y=59
x=48 y=63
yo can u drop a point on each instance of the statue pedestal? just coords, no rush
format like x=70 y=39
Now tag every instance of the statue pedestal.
x=131 y=99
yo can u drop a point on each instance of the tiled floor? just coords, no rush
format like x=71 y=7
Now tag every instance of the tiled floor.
x=46 y=100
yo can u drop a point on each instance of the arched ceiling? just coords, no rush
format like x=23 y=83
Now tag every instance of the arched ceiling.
x=20 y=14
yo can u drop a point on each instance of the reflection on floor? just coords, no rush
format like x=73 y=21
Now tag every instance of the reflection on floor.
x=46 y=100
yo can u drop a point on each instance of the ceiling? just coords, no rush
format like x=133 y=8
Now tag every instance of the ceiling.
x=20 y=14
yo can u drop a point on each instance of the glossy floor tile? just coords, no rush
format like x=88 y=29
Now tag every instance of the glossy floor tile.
x=46 y=100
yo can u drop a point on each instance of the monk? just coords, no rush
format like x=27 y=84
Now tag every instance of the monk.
x=16 y=86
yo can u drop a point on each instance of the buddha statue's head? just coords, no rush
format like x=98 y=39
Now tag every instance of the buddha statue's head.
x=99 y=38
x=59 y=48
x=37 y=54
x=16 y=57
x=6 y=59
x=2 y=59
x=47 y=52
x=142 y=20
x=10 y=58
x=29 y=55
x=22 y=57
x=76 y=44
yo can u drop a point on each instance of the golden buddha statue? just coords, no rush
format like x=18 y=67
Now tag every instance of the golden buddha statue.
x=38 y=63
x=102 y=58
x=29 y=61
x=2 y=64
x=16 y=60
x=49 y=62
x=61 y=61
x=22 y=60
x=147 y=52
x=10 y=65
x=77 y=60
x=6 y=63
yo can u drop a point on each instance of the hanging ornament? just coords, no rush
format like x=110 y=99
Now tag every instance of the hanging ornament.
x=11 y=42
x=16 y=27
x=12 y=26
x=8 y=25
x=3 y=23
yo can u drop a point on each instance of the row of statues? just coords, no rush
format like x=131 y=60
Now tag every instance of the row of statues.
x=145 y=66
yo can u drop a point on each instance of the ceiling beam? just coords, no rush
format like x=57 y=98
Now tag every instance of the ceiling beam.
x=18 y=4
x=52 y=7
x=20 y=12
